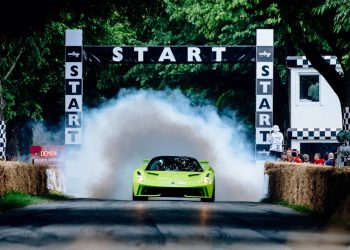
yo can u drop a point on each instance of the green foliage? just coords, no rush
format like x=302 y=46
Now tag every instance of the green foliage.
x=223 y=22
x=28 y=64
x=342 y=14
x=340 y=24
x=297 y=207
x=13 y=200
x=56 y=196
x=34 y=89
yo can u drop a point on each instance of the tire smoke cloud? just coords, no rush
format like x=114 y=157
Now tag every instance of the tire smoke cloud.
x=141 y=124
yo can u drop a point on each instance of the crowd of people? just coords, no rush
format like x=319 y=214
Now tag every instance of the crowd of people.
x=290 y=155
x=276 y=141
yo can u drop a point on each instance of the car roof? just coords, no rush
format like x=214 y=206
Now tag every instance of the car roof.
x=173 y=156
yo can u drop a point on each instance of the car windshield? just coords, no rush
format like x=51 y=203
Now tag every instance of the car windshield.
x=184 y=164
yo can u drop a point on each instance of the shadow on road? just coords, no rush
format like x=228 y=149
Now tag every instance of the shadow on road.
x=155 y=223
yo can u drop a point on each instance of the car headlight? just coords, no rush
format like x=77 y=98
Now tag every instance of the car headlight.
x=139 y=177
x=206 y=179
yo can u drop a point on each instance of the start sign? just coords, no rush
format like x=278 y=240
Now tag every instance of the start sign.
x=169 y=54
x=73 y=87
x=264 y=90
x=75 y=53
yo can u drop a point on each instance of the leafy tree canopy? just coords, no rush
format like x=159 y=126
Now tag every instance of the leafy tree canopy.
x=32 y=49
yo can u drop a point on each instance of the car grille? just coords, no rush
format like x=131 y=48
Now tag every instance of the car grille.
x=173 y=192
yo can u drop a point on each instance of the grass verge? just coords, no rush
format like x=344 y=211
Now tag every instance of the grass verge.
x=16 y=199
x=306 y=210
x=299 y=208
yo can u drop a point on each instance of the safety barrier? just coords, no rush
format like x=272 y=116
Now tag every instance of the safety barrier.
x=324 y=189
x=28 y=178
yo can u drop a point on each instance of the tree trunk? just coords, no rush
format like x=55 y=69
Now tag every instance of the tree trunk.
x=13 y=144
x=345 y=102
x=3 y=140
x=343 y=149
x=2 y=103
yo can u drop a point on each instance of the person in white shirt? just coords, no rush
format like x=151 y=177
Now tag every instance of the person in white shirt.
x=276 y=140
x=314 y=92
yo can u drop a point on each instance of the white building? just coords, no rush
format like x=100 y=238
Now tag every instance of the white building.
x=315 y=111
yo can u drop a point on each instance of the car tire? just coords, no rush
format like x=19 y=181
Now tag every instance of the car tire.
x=211 y=199
x=139 y=198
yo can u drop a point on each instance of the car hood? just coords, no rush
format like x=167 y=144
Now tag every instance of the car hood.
x=174 y=174
x=165 y=178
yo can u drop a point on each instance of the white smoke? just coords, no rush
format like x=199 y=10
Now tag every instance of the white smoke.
x=43 y=136
x=141 y=124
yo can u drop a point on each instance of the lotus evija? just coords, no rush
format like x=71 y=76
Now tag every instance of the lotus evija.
x=174 y=176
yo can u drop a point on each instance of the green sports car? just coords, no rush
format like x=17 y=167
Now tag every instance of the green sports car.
x=174 y=176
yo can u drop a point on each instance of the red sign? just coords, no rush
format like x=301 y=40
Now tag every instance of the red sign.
x=47 y=154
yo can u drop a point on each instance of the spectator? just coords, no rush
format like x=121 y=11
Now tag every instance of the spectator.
x=284 y=156
x=325 y=156
x=306 y=158
x=289 y=155
x=317 y=159
x=313 y=92
x=296 y=156
x=276 y=142
x=293 y=156
x=331 y=160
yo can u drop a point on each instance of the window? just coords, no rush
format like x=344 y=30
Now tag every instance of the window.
x=309 y=90
x=174 y=163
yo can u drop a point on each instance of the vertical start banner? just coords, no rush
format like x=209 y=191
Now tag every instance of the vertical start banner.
x=73 y=88
x=264 y=91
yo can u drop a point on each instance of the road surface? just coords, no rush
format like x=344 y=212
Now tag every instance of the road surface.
x=164 y=224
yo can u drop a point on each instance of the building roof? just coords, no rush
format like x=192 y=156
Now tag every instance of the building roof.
x=303 y=62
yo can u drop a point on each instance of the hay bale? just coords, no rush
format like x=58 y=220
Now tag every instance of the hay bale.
x=321 y=188
x=343 y=212
x=23 y=177
x=2 y=180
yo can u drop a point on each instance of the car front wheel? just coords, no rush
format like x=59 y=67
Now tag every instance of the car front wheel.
x=211 y=199
x=139 y=198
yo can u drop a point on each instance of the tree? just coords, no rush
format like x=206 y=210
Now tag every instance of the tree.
x=34 y=89
x=26 y=79
x=318 y=28
x=235 y=23
x=308 y=27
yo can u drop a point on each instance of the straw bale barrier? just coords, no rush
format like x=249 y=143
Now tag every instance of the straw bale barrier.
x=23 y=177
x=324 y=189
x=343 y=213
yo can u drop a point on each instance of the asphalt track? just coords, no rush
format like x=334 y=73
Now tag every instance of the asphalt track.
x=164 y=224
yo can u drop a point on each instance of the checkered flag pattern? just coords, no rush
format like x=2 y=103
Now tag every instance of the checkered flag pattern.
x=346 y=118
x=303 y=62
x=313 y=134
x=2 y=140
